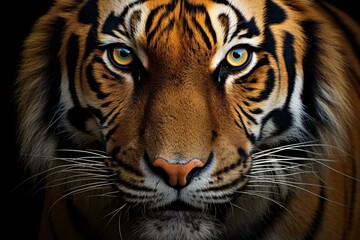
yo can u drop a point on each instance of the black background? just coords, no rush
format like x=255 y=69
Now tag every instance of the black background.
x=20 y=211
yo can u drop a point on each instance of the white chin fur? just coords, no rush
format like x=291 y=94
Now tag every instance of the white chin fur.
x=177 y=225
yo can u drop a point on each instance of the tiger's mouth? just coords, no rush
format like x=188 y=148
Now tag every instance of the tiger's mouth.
x=216 y=212
x=181 y=206
x=181 y=210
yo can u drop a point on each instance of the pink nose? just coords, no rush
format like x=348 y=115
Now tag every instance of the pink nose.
x=177 y=172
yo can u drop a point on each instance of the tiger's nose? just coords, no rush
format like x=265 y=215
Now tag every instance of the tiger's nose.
x=177 y=173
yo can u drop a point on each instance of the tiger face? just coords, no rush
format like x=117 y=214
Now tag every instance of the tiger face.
x=189 y=94
x=193 y=114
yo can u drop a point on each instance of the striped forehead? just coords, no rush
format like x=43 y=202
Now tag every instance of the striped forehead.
x=218 y=24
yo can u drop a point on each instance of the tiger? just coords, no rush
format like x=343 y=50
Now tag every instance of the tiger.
x=192 y=119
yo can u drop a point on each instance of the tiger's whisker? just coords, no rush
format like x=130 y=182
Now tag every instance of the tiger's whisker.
x=75 y=190
x=91 y=153
x=295 y=185
x=297 y=147
x=62 y=183
x=269 y=199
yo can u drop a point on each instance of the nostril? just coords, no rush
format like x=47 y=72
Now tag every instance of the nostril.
x=177 y=173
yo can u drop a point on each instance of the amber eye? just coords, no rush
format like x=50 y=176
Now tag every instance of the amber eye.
x=122 y=56
x=237 y=57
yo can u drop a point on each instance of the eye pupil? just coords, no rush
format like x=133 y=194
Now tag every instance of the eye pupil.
x=124 y=52
x=236 y=54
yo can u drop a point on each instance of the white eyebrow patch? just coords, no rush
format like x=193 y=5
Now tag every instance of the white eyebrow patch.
x=225 y=44
x=129 y=32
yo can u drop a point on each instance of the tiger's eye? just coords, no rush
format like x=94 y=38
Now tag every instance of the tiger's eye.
x=237 y=57
x=122 y=56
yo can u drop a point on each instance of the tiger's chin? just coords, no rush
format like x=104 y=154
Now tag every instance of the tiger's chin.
x=176 y=224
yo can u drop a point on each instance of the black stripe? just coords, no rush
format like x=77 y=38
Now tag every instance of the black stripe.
x=246 y=103
x=150 y=19
x=129 y=168
x=131 y=186
x=243 y=154
x=167 y=29
x=269 y=43
x=151 y=34
x=247 y=78
x=226 y=169
x=253 y=30
x=129 y=197
x=202 y=32
x=250 y=136
x=210 y=28
x=121 y=32
x=240 y=18
x=72 y=56
x=106 y=104
x=89 y=13
x=241 y=25
x=247 y=115
x=311 y=69
x=129 y=6
x=247 y=89
x=355 y=78
x=282 y=119
x=123 y=165
x=290 y=61
x=111 y=121
x=269 y=85
x=115 y=115
x=121 y=19
x=225 y=2
x=110 y=75
x=201 y=9
x=190 y=33
x=229 y=185
x=123 y=14
x=241 y=21
x=110 y=133
x=225 y=23
x=256 y=111
x=317 y=220
x=352 y=204
x=238 y=124
x=93 y=83
x=98 y=114
x=74 y=5
x=195 y=8
x=167 y=9
x=78 y=117
x=115 y=151
x=134 y=21
x=181 y=11
x=111 y=24
x=275 y=14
